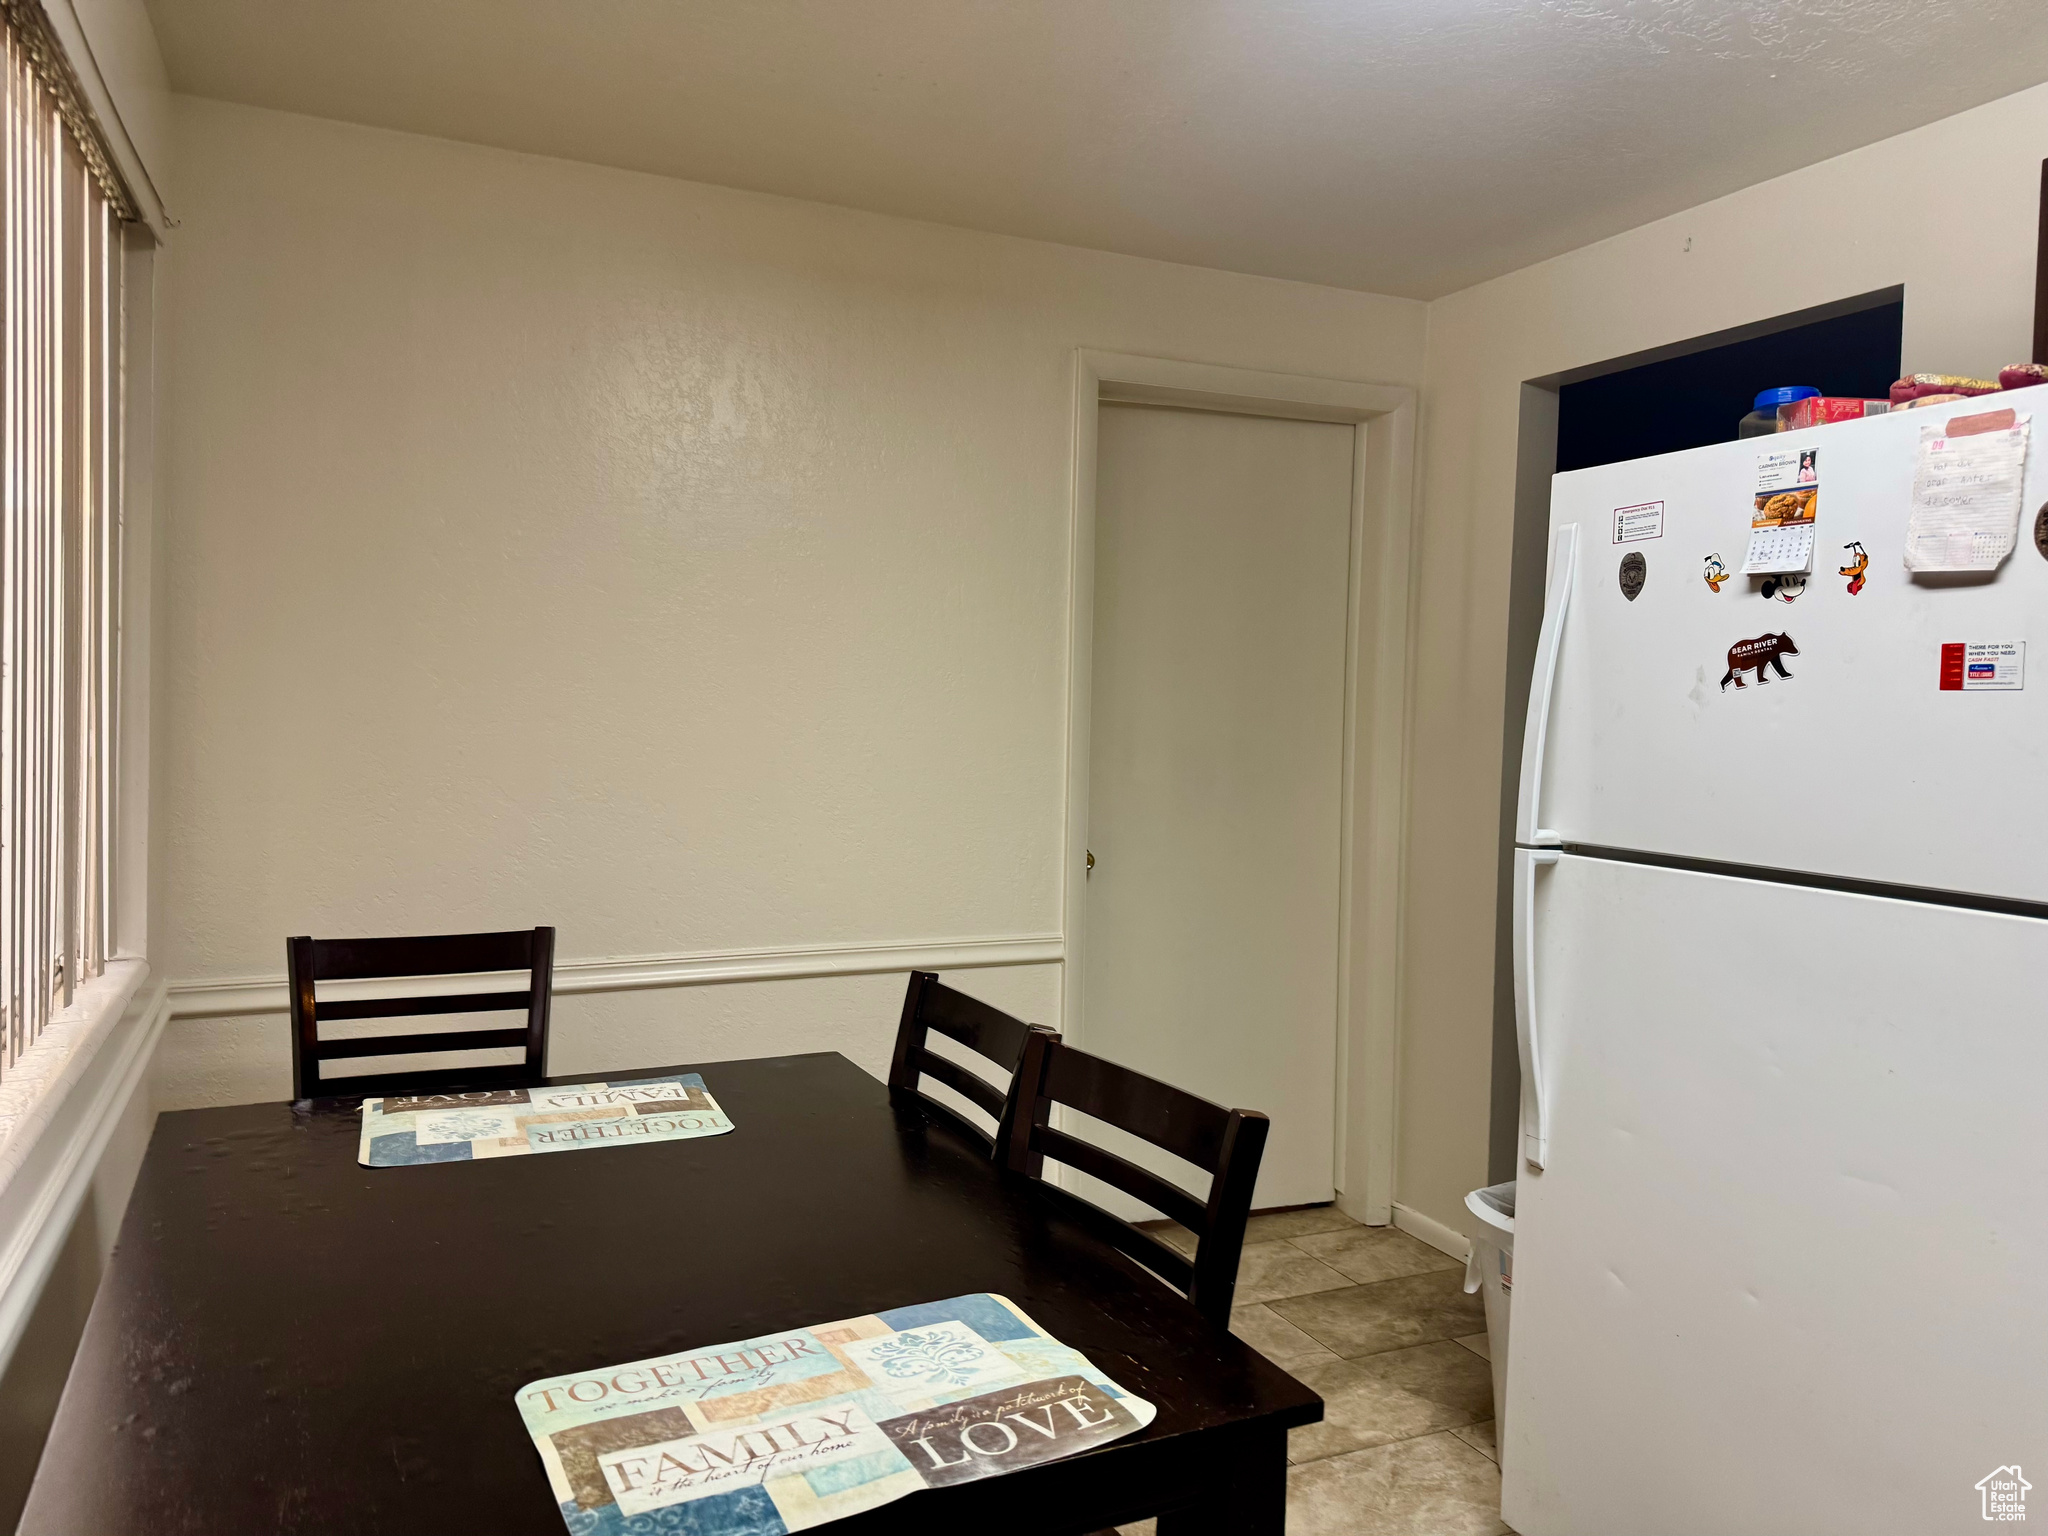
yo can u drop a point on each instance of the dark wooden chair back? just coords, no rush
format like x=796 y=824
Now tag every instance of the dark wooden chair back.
x=1227 y=1144
x=930 y=1004
x=309 y=961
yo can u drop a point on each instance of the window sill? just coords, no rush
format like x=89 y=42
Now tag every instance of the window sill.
x=58 y=1106
x=35 y=1086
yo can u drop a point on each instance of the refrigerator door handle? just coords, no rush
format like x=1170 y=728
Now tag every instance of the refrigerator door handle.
x=1535 y=1097
x=1557 y=599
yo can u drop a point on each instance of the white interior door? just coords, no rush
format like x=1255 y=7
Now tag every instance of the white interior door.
x=1222 y=556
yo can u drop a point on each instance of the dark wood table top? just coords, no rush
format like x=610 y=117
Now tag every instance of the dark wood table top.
x=287 y=1341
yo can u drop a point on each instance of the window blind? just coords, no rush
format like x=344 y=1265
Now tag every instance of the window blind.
x=60 y=531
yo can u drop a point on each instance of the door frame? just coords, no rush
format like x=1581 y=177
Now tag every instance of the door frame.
x=1376 y=715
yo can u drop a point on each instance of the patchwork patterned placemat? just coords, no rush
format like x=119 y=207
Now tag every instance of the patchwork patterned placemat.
x=457 y=1127
x=779 y=1433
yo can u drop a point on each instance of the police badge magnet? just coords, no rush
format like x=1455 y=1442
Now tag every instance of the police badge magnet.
x=1635 y=570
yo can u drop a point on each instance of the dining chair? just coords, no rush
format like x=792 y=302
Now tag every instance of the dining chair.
x=309 y=961
x=1227 y=1144
x=930 y=1004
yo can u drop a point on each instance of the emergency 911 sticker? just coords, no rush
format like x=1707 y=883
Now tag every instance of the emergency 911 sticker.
x=1645 y=520
x=1970 y=665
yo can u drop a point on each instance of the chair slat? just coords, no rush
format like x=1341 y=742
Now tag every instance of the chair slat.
x=374 y=1085
x=1188 y=1127
x=416 y=1045
x=990 y=1033
x=422 y=955
x=963 y=1082
x=412 y=1007
x=1172 y=1267
x=1225 y=1143
x=1122 y=1174
x=983 y=1030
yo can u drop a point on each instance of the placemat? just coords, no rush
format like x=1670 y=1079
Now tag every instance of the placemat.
x=780 y=1433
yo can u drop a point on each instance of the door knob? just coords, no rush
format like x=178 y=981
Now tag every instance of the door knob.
x=1091 y=864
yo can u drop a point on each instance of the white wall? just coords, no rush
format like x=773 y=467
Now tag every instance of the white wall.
x=683 y=567
x=429 y=400
x=1949 y=210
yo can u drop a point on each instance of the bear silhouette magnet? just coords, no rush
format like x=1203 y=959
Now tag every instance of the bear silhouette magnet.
x=1755 y=655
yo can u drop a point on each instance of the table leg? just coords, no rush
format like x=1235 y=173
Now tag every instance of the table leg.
x=1253 y=1502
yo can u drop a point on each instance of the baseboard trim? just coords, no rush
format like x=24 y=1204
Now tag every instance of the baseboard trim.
x=48 y=1184
x=1431 y=1231
x=235 y=996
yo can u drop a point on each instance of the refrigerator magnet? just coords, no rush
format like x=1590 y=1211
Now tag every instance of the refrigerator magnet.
x=2041 y=530
x=1971 y=666
x=1782 y=519
x=1859 y=562
x=1635 y=570
x=1756 y=655
x=1716 y=572
x=1645 y=520
x=1784 y=588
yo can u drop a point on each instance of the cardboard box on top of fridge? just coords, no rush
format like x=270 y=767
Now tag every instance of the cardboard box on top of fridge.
x=1819 y=410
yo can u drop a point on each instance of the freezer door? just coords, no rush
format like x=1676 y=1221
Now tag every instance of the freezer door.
x=1786 y=1270
x=1836 y=751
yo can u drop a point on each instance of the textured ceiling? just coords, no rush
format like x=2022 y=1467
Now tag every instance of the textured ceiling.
x=1403 y=146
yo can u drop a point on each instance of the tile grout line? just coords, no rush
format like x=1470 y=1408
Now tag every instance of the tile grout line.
x=1267 y=1302
x=1290 y=1248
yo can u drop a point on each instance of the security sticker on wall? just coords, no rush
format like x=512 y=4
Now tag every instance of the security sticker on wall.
x=1859 y=562
x=1635 y=570
x=1968 y=666
x=1784 y=588
x=1643 y=521
x=1765 y=651
x=1716 y=573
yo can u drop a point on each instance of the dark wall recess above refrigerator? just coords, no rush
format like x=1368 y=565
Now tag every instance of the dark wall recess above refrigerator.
x=1689 y=401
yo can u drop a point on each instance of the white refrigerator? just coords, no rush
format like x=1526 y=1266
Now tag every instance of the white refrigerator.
x=1781 y=964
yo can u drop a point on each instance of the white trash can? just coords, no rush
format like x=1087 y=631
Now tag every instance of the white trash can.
x=1490 y=1268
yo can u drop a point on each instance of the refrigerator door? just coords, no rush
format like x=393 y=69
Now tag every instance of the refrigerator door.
x=1785 y=1272
x=1854 y=763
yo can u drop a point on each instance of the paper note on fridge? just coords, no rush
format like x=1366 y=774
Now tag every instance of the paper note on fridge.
x=1781 y=521
x=1967 y=489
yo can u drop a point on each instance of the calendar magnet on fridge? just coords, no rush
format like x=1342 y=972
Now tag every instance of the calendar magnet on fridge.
x=1782 y=518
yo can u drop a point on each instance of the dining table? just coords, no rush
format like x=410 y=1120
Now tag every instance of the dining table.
x=287 y=1341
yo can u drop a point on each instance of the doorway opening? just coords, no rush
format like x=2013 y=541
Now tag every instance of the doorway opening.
x=1685 y=395
x=1240 y=560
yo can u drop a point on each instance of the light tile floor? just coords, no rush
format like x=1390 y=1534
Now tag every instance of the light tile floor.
x=1380 y=1325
